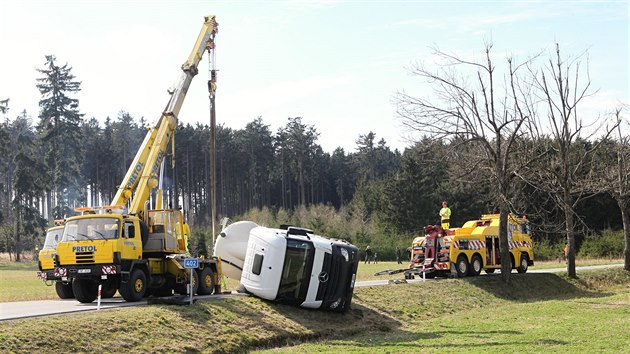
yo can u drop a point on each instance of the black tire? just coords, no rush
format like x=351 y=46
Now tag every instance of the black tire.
x=489 y=270
x=462 y=266
x=206 y=282
x=181 y=288
x=476 y=265
x=134 y=289
x=522 y=268
x=64 y=291
x=108 y=291
x=85 y=290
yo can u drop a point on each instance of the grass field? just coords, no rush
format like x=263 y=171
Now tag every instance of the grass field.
x=18 y=281
x=535 y=313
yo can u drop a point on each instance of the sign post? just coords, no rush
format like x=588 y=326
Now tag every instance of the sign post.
x=191 y=263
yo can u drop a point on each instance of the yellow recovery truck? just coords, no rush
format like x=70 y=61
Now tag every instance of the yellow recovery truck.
x=136 y=250
x=468 y=250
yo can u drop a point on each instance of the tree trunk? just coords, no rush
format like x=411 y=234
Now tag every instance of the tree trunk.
x=625 y=216
x=504 y=246
x=16 y=235
x=569 y=223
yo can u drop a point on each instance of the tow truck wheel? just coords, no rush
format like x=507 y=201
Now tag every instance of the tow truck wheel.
x=462 y=266
x=134 y=289
x=64 y=291
x=475 y=266
x=206 y=282
x=85 y=290
x=523 y=267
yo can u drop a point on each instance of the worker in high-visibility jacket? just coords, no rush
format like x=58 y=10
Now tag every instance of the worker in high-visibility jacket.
x=445 y=215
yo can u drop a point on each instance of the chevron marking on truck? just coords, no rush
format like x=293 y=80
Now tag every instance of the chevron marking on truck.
x=472 y=244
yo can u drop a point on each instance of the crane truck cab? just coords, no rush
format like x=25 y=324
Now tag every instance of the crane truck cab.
x=46 y=262
x=290 y=265
x=53 y=236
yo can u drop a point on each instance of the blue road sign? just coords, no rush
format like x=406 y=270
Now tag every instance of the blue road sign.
x=191 y=263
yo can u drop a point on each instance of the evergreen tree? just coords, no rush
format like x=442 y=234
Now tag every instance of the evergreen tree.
x=27 y=184
x=60 y=131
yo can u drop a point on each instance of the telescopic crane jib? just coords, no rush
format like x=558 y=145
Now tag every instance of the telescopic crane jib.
x=142 y=175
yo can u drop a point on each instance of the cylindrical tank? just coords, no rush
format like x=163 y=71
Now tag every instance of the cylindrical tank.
x=231 y=246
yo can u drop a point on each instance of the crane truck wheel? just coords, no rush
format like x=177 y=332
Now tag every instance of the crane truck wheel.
x=490 y=270
x=64 y=291
x=475 y=266
x=108 y=291
x=206 y=282
x=181 y=288
x=134 y=289
x=85 y=290
x=462 y=266
x=523 y=267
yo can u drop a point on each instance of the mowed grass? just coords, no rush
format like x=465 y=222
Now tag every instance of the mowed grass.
x=19 y=282
x=535 y=313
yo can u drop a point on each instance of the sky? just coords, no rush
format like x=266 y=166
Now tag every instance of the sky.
x=336 y=64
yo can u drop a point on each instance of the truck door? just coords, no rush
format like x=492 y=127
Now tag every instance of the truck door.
x=132 y=247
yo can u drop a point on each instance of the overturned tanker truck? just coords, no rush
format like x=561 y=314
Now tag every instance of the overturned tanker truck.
x=289 y=265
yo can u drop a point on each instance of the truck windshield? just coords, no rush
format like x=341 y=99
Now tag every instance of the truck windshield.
x=296 y=272
x=52 y=238
x=91 y=229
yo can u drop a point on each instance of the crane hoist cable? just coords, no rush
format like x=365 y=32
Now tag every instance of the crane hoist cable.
x=212 y=88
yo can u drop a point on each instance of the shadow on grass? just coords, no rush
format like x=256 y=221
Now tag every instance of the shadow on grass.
x=531 y=287
x=263 y=324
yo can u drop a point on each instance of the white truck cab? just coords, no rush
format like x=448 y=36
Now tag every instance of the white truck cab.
x=290 y=265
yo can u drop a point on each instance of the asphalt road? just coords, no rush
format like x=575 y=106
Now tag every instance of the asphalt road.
x=25 y=309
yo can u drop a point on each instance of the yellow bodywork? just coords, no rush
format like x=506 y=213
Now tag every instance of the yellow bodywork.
x=480 y=238
x=53 y=236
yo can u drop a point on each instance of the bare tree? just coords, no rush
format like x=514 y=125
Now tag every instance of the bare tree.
x=487 y=114
x=611 y=174
x=559 y=89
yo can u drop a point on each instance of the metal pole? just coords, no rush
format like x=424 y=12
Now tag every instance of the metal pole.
x=98 y=302
x=190 y=286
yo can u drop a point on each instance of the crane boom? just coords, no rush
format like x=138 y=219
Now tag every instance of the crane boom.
x=142 y=174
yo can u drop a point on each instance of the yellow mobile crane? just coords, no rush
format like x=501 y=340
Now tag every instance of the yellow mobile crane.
x=137 y=251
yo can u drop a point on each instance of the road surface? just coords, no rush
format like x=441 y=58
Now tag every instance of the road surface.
x=24 y=309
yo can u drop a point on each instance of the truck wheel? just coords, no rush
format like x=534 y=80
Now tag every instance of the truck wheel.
x=108 y=292
x=134 y=289
x=64 y=291
x=206 y=282
x=475 y=266
x=461 y=266
x=523 y=267
x=85 y=290
x=490 y=270
x=181 y=288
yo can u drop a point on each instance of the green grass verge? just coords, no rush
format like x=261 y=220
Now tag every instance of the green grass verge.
x=19 y=282
x=535 y=313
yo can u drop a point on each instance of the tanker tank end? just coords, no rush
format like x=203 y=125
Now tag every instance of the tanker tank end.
x=231 y=247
